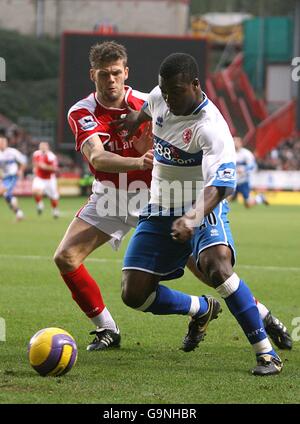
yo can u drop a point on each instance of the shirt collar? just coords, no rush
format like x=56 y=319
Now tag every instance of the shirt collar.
x=201 y=105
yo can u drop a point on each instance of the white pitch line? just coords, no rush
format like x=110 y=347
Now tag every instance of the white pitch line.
x=105 y=260
x=48 y=258
x=270 y=268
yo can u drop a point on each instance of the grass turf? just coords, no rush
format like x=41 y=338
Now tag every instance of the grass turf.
x=149 y=367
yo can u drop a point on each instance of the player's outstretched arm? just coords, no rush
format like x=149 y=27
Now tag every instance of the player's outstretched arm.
x=104 y=161
x=131 y=122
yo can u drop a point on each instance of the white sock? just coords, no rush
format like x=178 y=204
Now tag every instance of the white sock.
x=263 y=311
x=264 y=346
x=259 y=199
x=40 y=205
x=14 y=202
x=105 y=320
x=195 y=306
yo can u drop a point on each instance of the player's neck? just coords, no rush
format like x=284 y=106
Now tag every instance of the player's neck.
x=116 y=104
x=198 y=102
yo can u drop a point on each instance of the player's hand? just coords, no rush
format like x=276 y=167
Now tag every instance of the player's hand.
x=145 y=141
x=128 y=123
x=183 y=229
x=146 y=161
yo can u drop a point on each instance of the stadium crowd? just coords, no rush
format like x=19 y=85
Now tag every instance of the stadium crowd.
x=286 y=157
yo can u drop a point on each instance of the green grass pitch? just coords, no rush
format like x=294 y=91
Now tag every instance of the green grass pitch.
x=149 y=367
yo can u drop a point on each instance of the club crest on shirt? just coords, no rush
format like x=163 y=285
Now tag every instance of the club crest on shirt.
x=187 y=135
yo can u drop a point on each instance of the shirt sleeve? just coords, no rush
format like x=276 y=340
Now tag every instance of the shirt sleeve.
x=219 y=158
x=85 y=125
x=20 y=158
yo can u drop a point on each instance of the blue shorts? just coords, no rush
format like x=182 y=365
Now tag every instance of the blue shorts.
x=9 y=183
x=214 y=230
x=152 y=249
x=244 y=189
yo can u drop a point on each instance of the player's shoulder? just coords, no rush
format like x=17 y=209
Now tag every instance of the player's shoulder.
x=88 y=103
x=155 y=98
x=13 y=150
x=211 y=124
x=134 y=98
x=155 y=93
x=135 y=94
x=247 y=152
x=51 y=155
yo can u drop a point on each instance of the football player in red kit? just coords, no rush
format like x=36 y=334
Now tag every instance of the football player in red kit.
x=114 y=162
x=45 y=166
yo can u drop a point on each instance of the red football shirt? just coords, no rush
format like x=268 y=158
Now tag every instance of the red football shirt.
x=47 y=158
x=89 y=117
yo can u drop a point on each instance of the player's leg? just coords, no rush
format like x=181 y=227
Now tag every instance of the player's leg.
x=152 y=256
x=79 y=241
x=244 y=189
x=250 y=200
x=260 y=198
x=216 y=262
x=52 y=193
x=38 y=186
x=276 y=330
x=9 y=184
x=192 y=266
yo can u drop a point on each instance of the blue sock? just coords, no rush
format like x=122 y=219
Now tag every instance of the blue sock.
x=168 y=301
x=242 y=305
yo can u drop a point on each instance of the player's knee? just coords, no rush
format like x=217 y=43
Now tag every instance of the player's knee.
x=217 y=265
x=64 y=260
x=132 y=292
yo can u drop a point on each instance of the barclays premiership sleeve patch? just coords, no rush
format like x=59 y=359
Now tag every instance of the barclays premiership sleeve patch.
x=87 y=123
x=225 y=175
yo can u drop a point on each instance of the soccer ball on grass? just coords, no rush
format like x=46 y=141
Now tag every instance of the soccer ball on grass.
x=52 y=352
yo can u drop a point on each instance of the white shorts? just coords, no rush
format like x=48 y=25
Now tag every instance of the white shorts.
x=115 y=212
x=46 y=186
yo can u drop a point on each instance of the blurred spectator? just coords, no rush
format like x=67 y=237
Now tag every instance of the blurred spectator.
x=285 y=157
x=105 y=27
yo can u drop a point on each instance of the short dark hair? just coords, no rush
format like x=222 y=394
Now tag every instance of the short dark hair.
x=179 y=63
x=106 y=52
x=3 y=133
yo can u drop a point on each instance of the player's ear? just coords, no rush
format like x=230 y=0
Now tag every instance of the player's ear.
x=126 y=73
x=196 y=83
x=92 y=75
